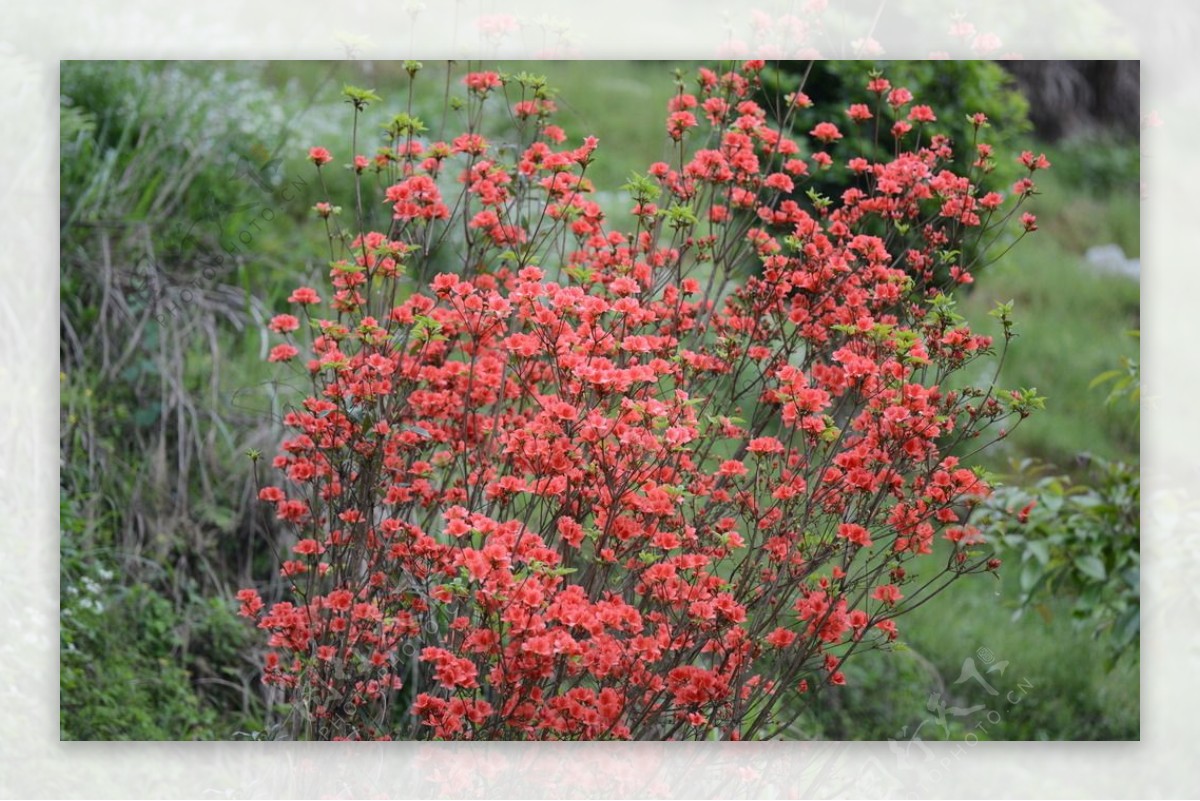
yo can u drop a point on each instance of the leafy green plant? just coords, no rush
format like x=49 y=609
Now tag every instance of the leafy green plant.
x=163 y=167
x=1124 y=382
x=1075 y=540
x=136 y=664
x=133 y=692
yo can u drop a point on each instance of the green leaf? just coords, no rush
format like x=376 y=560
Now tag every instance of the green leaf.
x=681 y=216
x=359 y=98
x=1002 y=311
x=818 y=200
x=1132 y=577
x=642 y=187
x=1130 y=624
x=1091 y=566
x=1030 y=577
x=581 y=273
x=427 y=328
x=420 y=431
x=1040 y=550
x=1107 y=375
x=404 y=125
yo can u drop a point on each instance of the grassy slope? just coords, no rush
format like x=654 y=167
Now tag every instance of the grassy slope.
x=1071 y=320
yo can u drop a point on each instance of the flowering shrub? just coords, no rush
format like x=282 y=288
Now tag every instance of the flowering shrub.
x=652 y=484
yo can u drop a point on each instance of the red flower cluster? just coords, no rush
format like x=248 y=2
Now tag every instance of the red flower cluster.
x=640 y=484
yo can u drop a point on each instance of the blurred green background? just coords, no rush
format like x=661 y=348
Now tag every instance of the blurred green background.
x=184 y=226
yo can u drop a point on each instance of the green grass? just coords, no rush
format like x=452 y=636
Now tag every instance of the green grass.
x=1091 y=194
x=1075 y=694
x=1072 y=324
x=1073 y=321
x=1058 y=683
x=1078 y=221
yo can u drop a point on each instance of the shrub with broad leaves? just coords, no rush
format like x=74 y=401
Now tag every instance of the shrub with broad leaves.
x=1077 y=541
x=657 y=483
